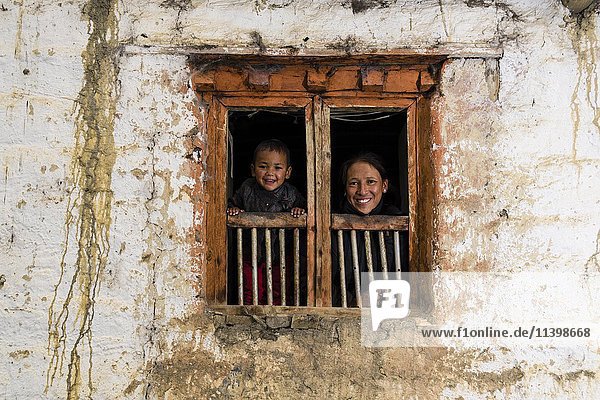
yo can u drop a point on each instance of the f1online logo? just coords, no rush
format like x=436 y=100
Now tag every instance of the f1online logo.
x=389 y=300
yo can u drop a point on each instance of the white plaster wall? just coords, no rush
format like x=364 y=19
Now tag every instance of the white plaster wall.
x=528 y=153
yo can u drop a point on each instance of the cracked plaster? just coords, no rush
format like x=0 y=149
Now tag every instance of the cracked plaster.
x=516 y=160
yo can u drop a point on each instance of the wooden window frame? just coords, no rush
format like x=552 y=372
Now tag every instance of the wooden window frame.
x=225 y=88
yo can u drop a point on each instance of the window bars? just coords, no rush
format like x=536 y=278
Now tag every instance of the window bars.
x=266 y=271
x=369 y=244
x=269 y=265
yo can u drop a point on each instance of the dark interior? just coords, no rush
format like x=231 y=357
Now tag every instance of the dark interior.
x=352 y=132
x=249 y=128
x=383 y=133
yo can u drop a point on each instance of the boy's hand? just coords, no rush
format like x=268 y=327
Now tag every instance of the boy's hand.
x=234 y=211
x=297 y=211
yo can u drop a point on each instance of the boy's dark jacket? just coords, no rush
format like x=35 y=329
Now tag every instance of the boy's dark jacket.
x=253 y=198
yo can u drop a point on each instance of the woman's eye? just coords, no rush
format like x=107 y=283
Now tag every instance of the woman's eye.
x=371 y=181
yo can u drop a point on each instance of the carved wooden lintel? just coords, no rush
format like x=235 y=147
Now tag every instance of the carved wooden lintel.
x=316 y=80
x=426 y=81
x=372 y=79
x=259 y=79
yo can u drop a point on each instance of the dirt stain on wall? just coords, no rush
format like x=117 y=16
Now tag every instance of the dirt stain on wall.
x=249 y=357
x=585 y=43
x=443 y=15
x=359 y=6
x=88 y=215
x=18 y=38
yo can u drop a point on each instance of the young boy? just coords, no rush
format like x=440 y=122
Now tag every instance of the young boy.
x=267 y=191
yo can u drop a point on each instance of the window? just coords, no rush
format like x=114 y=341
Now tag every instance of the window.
x=325 y=110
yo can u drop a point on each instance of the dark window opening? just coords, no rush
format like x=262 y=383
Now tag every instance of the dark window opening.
x=384 y=133
x=247 y=128
x=381 y=132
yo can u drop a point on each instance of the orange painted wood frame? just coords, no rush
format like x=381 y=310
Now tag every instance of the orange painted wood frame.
x=216 y=218
x=317 y=93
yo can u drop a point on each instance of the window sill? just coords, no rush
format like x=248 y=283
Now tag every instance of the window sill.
x=297 y=316
x=268 y=311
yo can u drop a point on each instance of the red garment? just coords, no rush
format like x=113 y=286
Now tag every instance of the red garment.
x=261 y=278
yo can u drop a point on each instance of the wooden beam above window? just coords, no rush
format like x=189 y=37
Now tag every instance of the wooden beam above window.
x=426 y=81
x=372 y=79
x=316 y=80
x=385 y=79
x=259 y=79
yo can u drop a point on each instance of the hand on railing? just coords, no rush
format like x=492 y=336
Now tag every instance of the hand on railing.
x=234 y=211
x=297 y=212
x=266 y=220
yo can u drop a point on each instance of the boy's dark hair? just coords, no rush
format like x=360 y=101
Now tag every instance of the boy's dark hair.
x=273 y=145
x=370 y=158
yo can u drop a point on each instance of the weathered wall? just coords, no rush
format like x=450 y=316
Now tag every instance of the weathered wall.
x=99 y=294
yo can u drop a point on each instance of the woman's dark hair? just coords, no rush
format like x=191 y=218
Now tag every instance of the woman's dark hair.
x=273 y=145
x=370 y=158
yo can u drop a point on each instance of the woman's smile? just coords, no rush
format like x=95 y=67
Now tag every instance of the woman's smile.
x=364 y=187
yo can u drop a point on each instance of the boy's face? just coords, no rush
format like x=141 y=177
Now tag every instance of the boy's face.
x=270 y=169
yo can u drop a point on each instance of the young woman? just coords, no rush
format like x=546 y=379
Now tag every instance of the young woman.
x=366 y=184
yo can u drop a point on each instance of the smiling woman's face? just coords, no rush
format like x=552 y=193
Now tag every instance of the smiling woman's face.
x=364 y=187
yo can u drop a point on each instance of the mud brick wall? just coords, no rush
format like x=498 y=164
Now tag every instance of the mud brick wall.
x=100 y=289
